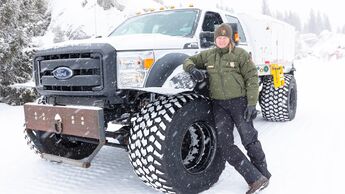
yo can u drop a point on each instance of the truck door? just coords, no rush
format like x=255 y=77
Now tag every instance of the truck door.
x=211 y=20
x=243 y=40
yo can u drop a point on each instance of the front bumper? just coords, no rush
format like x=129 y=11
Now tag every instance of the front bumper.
x=79 y=121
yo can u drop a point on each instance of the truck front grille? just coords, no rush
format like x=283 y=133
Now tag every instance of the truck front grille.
x=86 y=68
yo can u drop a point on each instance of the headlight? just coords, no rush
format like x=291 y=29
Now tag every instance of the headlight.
x=132 y=68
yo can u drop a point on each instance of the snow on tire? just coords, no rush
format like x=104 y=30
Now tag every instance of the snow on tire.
x=173 y=146
x=279 y=104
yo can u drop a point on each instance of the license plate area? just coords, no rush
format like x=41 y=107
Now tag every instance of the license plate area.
x=80 y=121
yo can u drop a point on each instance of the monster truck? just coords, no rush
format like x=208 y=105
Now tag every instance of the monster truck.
x=134 y=78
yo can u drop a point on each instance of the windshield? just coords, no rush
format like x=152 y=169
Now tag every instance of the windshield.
x=173 y=23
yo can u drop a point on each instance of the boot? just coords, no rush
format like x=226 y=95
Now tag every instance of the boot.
x=258 y=185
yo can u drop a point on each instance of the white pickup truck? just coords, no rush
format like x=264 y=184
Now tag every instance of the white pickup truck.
x=134 y=77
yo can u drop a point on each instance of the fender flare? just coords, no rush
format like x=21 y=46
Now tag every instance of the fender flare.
x=163 y=68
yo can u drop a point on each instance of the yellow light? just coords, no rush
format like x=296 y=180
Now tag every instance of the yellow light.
x=172 y=7
x=236 y=37
x=148 y=63
x=152 y=9
x=191 y=5
x=162 y=8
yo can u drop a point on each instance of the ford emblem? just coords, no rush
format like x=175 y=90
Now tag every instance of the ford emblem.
x=63 y=73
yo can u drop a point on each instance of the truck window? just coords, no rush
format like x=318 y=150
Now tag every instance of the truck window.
x=210 y=21
x=172 y=23
x=232 y=19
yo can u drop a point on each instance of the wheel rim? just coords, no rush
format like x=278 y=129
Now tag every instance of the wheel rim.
x=198 y=148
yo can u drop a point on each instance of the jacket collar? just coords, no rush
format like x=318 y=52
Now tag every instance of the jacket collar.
x=222 y=50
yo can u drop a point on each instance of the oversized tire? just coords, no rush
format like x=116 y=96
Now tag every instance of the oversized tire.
x=51 y=143
x=279 y=104
x=173 y=145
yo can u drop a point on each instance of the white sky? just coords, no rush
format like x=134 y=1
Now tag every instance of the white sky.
x=332 y=8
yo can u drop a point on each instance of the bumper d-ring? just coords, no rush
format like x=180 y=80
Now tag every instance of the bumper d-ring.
x=58 y=124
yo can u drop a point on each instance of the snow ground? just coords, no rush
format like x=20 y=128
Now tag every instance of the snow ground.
x=305 y=155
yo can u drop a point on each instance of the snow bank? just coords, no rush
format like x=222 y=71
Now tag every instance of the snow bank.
x=326 y=46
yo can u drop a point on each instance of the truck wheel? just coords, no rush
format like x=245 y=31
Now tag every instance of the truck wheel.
x=279 y=104
x=51 y=143
x=173 y=145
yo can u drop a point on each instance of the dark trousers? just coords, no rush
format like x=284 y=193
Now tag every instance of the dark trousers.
x=227 y=114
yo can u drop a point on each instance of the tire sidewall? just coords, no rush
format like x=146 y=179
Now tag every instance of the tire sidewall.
x=276 y=103
x=292 y=95
x=197 y=110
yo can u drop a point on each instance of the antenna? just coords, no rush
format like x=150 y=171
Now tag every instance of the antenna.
x=95 y=17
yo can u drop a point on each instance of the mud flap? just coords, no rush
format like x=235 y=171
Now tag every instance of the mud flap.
x=78 y=121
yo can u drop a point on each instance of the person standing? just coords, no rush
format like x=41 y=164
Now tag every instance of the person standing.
x=234 y=90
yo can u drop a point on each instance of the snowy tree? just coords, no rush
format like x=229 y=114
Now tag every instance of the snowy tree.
x=312 y=23
x=295 y=20
x=265 y=8
x=107 y=4
x=291 y=18
x=20 y=20
x=326 y=22
x=317 y=23
x=319 y=20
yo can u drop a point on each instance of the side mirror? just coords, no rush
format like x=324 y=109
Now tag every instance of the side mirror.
x=206 y=39
x=235 y=35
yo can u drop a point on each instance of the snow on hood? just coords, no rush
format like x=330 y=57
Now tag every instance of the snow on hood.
x=130 y=42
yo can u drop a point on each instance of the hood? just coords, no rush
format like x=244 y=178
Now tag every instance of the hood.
x=130 y=42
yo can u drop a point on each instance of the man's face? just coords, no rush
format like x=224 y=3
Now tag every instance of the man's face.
x=222 y=41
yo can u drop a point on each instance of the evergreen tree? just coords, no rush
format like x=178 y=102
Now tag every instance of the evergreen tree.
x=326 y=22
x=20 y=20
x=280 y=16
x=311 y=26
x=319 y=23
x=265 y=8
x=107 y=4
x=297 y=21
x=291 y=18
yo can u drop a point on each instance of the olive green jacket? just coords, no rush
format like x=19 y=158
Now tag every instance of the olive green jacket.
x=231 y=74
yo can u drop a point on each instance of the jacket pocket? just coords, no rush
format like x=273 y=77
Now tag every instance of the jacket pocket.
x=239 y=80
x=231 y=66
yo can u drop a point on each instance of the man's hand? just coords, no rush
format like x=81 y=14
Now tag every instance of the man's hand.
x=250 y=113
x=197 y=74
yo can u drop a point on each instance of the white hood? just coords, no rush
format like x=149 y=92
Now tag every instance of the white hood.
x=131 y=42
